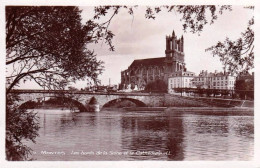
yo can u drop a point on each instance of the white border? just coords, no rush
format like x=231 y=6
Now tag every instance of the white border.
x=185 y=164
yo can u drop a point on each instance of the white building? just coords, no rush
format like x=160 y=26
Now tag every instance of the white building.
x=180 y=79
x=214 y=80
x=202 y=80
x=223 y=81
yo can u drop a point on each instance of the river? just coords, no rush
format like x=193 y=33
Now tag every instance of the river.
x=114 y=134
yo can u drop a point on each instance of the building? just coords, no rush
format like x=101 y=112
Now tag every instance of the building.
x=223 y=81
x=180 y=79
x=217 y=80
x=203 y=80
x=143 y=71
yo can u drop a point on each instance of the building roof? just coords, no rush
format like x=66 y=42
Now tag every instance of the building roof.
x=212 y=74
x=183 y=73
x=148 y=62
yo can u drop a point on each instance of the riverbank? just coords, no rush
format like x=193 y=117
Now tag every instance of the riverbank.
x=198 y=110
x=218 y=102
x=212 y=111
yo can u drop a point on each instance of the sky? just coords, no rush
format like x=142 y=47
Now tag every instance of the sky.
x=137 y=38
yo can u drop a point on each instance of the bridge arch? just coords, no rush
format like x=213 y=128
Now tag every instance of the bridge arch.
x=31 y=102
x=118 y=100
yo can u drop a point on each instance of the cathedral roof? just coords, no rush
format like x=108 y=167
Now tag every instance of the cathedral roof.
x=148 y=62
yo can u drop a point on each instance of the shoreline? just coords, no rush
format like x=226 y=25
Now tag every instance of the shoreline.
x=177 y=110
x=189 y=108
x=198 y=110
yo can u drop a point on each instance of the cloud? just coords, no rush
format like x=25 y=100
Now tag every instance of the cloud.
x=138 y=38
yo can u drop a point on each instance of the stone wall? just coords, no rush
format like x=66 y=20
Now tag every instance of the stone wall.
x=225 y=102
x=178 y=101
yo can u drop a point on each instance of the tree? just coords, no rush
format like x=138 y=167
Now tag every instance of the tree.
x=194 y=17
x=72 y=88
x=179 y=90
x=20 y=125
x=237 y=56
x=156 y=86
x=244 y=87
x=49 y=46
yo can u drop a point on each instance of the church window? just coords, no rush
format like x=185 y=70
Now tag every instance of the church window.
x=150 y=70
x=156 y=71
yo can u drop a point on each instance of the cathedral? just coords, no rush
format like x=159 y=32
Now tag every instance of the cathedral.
x=143 y=71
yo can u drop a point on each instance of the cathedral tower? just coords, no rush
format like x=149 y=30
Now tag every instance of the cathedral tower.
x=174 y=53
x=144 y=71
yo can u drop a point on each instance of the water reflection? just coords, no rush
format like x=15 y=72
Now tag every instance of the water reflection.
x=145 y=133
x=144 y=136
x=175 y=138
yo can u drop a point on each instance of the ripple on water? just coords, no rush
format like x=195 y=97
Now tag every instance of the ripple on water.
x=183 y=137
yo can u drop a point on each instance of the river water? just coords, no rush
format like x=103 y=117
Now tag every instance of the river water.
x=155 y=135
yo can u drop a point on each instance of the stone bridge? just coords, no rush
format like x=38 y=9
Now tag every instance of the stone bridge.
x=81 y=98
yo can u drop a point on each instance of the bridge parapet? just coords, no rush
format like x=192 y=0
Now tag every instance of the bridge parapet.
x=83 y=97
x=85 y=92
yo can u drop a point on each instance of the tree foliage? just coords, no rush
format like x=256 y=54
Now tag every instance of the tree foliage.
x=194 y=17
x=156 y=86
x=245 y=88
x=20 y=126
x=236 y=56
x=49 y=46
